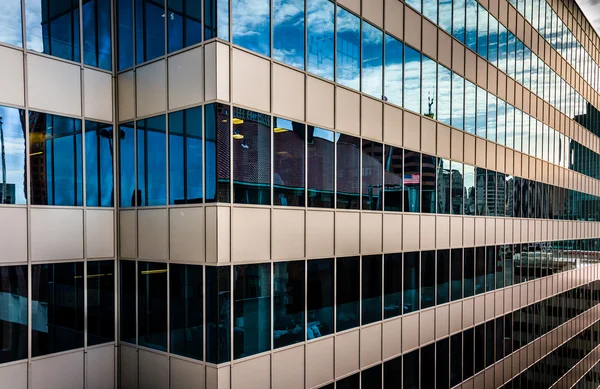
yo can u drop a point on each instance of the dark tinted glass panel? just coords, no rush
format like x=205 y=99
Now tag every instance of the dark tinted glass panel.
x=480 y=189
x=428 y=366
x=428 y=190
x=469 y=189
x=321 y=162
x=443 y=276
x=393 y=73
x=12 y=130
x=456 y=359
x=490 y=268
x=392 y=373
x=216 y=19
x=124 y=22
x=443 y=186
x=99 y=187
x=469 y=272
x=53 y=28
x=185 y=156
x=411 y=364
x=500 y=252
x=288 y=303
x=427 y=279
x=456 y=273
x=352 y=382
x=508 y=252
x=442 y=363
x=288 y=32
x=489 y=343
x=152 y=161
x=127 y=294
x=251 y=157
x=347 y=57
x=371 y=378
x=392 y=299
x=348 y=293
x=393 y=178
x=186 y=305
x=479 y=348
x=319 y=298
x=499 y=342
x=252 y=309
x=412 y=80
x=288 y=169
x=152 y=305
x=218 y=311
x=468 y=352
x=412 y=181
x=100 y=302
x=96 y=34
x=372 y=175
x=216 y=147
x=491 y=193
x=372 y=60
x=371 y=288
x=57 y=308
x=13 y=324
x=457 y=192
x=184 y=24
x=479 y=270
x=348 y=171
x=500 y=194
x=411 y=282
x=149 y=29
x=55 y=160
x=127 y=165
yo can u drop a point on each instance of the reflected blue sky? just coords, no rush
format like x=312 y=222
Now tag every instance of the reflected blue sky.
x=288 y=32
x=250 y=22
x=14 y=148
x=10 y=22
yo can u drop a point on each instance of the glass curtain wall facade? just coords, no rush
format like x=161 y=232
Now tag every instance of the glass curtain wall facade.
x=299 y=194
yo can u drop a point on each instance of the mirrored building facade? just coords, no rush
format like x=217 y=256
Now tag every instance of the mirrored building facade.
x=299 y=194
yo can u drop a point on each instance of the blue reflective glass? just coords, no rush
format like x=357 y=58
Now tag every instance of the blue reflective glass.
x=347 y=56
x=10 y=20
x=127 y=296
x=458 y=19
x=510 y=126
x=320 y=33
x=430 y=10
x=56 y=308
x=13 y=289
x=492 y=120
x=512 y=59
x=149 y=30
x=251 y=25
x=127 y=165
x=458 y=101
x=12 y=162
x=288 y=303
x=411 y=282
x=493 y=41
x=525 y=134
x=100 y=302
x=444 y=94
x=184 y=23
x=216 y=146
x=482 y=31
x=519 y=61
x=393 y=70
x=372 y=60
x=55 y=160
x=186 y=310
x=288 y=160
x=53 y=28
x=125 y=34
x=470 y=107
x=518 y=130
x=481 y=123
x=445 y=19
x=185 y=156
x=320 y=295
x=348 y=171
x=412 y=80
x=218 y=314
x=152 y=305
x=471 y=25
x=429 y=86
x=97 y=34
x=99 y=187
x=347 y=293
x=502 y=47
x=288 y=32
x=527 y=68
x=151 y=161
x=216 y=19
x=371 y=288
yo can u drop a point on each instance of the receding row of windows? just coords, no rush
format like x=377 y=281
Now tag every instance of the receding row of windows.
x=316 y=167
x=53 y=27
x=57 y=307
x=315 y=298
x=553 y=366
x=55 y=160
x=591 y=378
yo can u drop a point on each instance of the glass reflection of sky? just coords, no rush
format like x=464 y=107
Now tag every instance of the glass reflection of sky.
x=412 y=79
x=251 y=25
x=393 y=70
x=14 y=149
x=372 y=60
x=320 y=19
x=10 y=22
x=348 y=49
x=288 y=32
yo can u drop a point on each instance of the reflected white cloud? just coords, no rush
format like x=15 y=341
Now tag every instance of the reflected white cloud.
x=10 y=22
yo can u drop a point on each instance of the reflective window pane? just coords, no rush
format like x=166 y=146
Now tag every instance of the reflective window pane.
x=443 y=277
x=288 y=32
x=13 y=324
x=319 y=304
x=372 y=60
x=152 y=305
x=216 y=19
x=469 y=272
x=372 y=175
x=10 y=20
x=186 y=310
x=100 y=302
x=149 y=30
x=347 y=293
x=347 y=57
x=444 y=94
x=392 y=284
x=429 y=85
x=411 y=364
x=393 y=71
x=218 y=314
x=491 y=123
x=288 y=160
x=412 y=181
x=371 y=288
x=481 y=197
x=456 y=269
x=97 y=33
x=470 y=107
x=127 y=165
x=321 y=167
x=427 y=279
x=216 y=146
x=185 y=156
x=443 y=186
x=151 y=161
x=99 y=186
x=458 y=101
x=58 y=320
x=393 y=178
x=124 y=10
x=288 y=303
x=184 y=23
x=428 y=190
x=458 y=188
x=251 y=25
x=251 y=157
x=411 y=282
x=458 y=19
x=127 y=296
x=320 y=32
x=371 y=378
x=252 y=309
x=348 y=171
x=469 y=189
x=412 y=80
x=12 y=139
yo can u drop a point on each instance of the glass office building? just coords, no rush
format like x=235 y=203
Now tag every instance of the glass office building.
x=255 y=194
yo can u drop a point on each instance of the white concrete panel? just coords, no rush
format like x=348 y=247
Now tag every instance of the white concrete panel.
x=456 y=231
x=126 y=95
x=100 y=234
x=392 y=232
x=288 y=92
x=216 y=57
x=500 y=231
x=370 y=232
x=218 y=234
x=371 y=118
x=186 y=375
x=427 y=232
x=347 y=233
x=128 y=365
x=250 y=234
x=98 y=95
x=14 y=376
x=467 y=312
x=251 y=374
x=13 y=235
x=392 y=337
x=412 y=131
x=490 y=231
x=187 y=234
x=442 y=321
x=469 y=231
x=373 y=11
x=370 y=345
x=456 y=317
x=319 y=102
x=347 y=111
x=11 y=77
x=288 y=234
x=47 y=78
x=392 y=125
x=56 y=234
x=100 y=366
x=346 y=353
x=288 y=368
x=319 y=233
x=427 y=326
x=479 y=231
x=128 y=234
x=153 y=235
x=154 y=370
x=251 y=81
x=44 y=372
x=186 y=78
x=151 y=94
x=410 y=230
x=319 y=362
x=410 y=332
